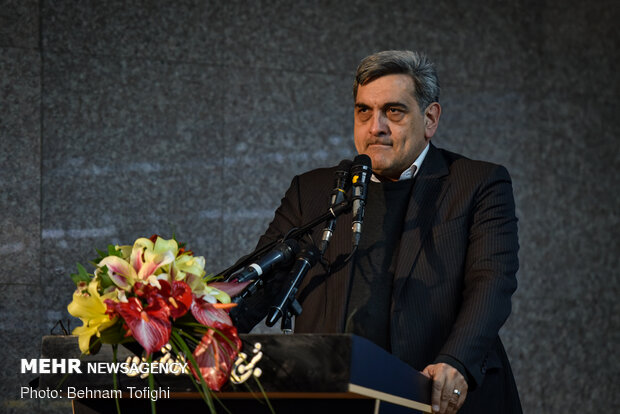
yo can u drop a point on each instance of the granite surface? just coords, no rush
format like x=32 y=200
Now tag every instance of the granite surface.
x=20 y=174
x=287 y=128
x=20 y=324
x=120 y=120
x=20 y=183
x=19 y=24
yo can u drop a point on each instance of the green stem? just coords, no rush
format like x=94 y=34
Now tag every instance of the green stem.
x=82 y=355
x=179 y=346
x=262 y=390
x=151 y=385
x=115 y=379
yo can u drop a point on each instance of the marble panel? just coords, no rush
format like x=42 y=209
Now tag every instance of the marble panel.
x=12 y=404
x=131 y=148
x=570 y=339
x=148 y=109
x=20 y=134
x=332 y=37
x=558 y=140
x=573 y=212
x=487 y=124
x=325 y=37
x=188 y=30
x=21 y=338
x=579 y=41
x=19 y=24
x=134 y=116
x=570 y=249
x=280 y=124
x=480 y=45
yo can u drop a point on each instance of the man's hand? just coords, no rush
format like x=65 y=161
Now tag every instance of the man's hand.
x=447 y=384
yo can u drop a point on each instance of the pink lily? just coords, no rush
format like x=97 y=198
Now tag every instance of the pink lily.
x=146 y=258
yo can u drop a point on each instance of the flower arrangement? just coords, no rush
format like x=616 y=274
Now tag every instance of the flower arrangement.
x=156 y=293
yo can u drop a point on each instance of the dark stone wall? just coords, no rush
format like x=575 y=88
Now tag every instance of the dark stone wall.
x=123 y=119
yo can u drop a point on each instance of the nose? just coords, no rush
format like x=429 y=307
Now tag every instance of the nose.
x=379 y=125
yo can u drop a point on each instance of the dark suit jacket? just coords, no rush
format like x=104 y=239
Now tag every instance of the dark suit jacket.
x=454 y=277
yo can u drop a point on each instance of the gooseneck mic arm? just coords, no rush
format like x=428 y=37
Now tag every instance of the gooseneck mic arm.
x=293 y=234
x=258 y=282
x=337 y=197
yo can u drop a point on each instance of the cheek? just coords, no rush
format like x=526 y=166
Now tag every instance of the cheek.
x=408 y=139
x=359 y=141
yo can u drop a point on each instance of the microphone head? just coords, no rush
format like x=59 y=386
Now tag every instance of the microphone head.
x=361 y=170
x=345 y=165
x=362 y=160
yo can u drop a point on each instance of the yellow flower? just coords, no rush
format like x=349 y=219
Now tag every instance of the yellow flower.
x=90 y=308
x=186 y=264
x=125 y=251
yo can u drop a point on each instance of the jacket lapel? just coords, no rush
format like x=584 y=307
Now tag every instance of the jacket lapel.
x=428 y=191
x=328 y=291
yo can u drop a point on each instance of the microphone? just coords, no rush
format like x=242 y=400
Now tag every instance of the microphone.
x=337 y=197
x=282 y=254
x=305 y=260
x=360 y=177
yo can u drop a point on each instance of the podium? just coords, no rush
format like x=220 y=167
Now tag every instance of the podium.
x=300 y=373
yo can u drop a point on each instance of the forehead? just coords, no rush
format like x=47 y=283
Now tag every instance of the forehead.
x=389 y=88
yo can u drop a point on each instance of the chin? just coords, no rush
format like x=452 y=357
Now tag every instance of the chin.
x=378 y=163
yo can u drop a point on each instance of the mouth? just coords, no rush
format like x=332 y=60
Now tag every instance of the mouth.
x=379 y=144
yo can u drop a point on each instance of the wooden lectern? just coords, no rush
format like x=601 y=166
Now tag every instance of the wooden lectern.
x=299 y=374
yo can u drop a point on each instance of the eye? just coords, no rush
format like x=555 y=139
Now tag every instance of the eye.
x=363 y=114
x=395 y=114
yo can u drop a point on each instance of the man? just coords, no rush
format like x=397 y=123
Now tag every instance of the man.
x=433 y=276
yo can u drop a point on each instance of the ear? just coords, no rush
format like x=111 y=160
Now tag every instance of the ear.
x=431 y=119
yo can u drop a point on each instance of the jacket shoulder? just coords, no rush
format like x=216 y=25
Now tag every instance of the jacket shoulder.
x=316 y=182
x=463 y=167
x=322 y=173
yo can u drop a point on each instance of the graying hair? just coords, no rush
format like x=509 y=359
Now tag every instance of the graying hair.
x=414 y=64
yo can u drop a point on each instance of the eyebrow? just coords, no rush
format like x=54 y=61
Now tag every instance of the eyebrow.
x=394 y=104
x=385 y=106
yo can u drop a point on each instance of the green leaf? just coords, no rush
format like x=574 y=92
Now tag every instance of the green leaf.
x=180 y=347
x=115 y=334
x=81 y=276
x=105 y=279
x=83 y=272
x=113 y=251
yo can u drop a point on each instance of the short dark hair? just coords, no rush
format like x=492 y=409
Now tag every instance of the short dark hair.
x=391 y=62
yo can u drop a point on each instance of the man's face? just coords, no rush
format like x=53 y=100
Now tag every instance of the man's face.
x=389 y=126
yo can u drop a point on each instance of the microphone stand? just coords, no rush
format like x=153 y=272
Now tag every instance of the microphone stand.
x=293 y=307
x=299 y=232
